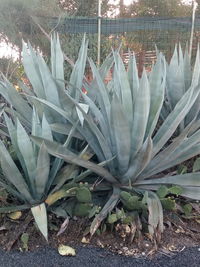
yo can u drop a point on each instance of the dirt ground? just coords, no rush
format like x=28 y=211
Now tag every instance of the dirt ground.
x=178 y=234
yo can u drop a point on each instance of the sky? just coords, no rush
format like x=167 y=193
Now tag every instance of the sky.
x=7 y=51
x=128 y=2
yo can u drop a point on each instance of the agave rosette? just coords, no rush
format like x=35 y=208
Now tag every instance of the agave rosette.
x=179 y=79
x=122 y=125
x=119 y=121
x=29 y=181
x=32 y=176
x=34 y=184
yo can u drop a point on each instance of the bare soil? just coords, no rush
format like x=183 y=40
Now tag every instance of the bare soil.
x=178 y=234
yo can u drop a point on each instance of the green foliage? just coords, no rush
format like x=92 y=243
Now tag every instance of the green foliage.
x=162 y=191
x=187 y=209
x=168 y=203
x=120 y=122
x=169 y=8
x=82 y=209
x=12 y=69
x=128 y=219
x=29 y=176
x=30 y=184
x=84 y=205
x=182 y=169
x=24 y=239
x=196 y=165
x=120 y=216
x=84 y=7
x=179 y=79
x=112 y=218
x=16 y=21
x=130 y=202
x=78 y=199
x=176 y=190
x=160 y=9
x=128 y=109
x=83 y=195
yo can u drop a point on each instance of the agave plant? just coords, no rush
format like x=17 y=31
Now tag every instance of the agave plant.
x=118 y=120
x=179 y=79
x=45 y=84
x=28 y=113
x=32 y=178
x=30 y=184
x=122 y=129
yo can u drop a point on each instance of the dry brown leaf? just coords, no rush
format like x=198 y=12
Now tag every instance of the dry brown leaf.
x=85 y=240
x=14 y=215
x=63 y=226
x=198 y=221
x=3 y=228
x=66 y=251
x=180 y=230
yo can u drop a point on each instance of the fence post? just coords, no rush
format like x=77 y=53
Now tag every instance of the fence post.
x=99 y=34
x=141 y=61
x=194 y=5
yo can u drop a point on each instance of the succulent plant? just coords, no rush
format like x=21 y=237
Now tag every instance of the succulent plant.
x=80 y=199
x=168 y=203
x=31 y=178
x=83 y=194
x=163 y=190
x=121 y=126
x=46 y=84
x=34 y=185
x=82 y=209
x=112 y=218
x=120 y=121
x=28 y=185
x=130 y=202
x=179 y=79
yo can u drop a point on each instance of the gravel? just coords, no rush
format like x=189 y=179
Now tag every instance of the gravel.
x=87 y=256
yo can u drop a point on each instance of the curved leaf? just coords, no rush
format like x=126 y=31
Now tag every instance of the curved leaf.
x=141 y=114
x=42 y=171
x=40 y=215
x=174 y=118
x=109 y=206
x=63 y=153
x=122 y=134
x=139 y=162
x=12 y=173
x=26 y=149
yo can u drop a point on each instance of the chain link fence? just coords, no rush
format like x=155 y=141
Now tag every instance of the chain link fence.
x=140 y=30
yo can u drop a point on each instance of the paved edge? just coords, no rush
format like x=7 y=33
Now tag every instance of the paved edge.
x=90 y=256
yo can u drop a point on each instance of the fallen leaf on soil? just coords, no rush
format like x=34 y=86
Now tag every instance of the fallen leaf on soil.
x=175 y=249
x=100 y=244
x=180 y=230
x=66 y=251
x=15 y=215
x=63 y=226
x=85 y=240
x=197 y=220
x=172 y=248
